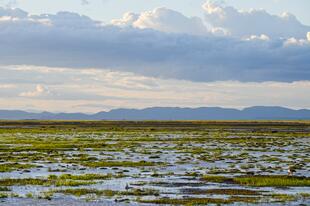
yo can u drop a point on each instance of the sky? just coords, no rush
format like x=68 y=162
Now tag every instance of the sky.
x=94 y=55
x=105 y=10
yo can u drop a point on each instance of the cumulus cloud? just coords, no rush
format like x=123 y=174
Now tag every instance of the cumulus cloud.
x=71 y=40
x=242 y=23
x=128 y=19
x=296 y=42
x=262 y=37
x=39 y=91
x=308 y=36
x=165 y=20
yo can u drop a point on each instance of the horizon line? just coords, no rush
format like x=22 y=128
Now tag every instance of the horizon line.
x=152 y=107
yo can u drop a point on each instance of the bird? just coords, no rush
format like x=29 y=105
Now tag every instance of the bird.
x=127 y=187
x=291 y=170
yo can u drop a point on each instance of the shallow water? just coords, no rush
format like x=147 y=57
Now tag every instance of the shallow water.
x=176 y=155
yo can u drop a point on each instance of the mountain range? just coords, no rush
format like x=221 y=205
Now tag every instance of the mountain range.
x=168 y=113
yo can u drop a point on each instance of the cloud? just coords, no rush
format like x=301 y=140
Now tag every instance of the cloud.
x=262 y=37
x=9 y=12
x=39 y=91
x=296 y=42
x=85 y=90
x=75 y=41
x=127 y=20
x=9 y=3
x=165 y=20
x=7 y=86
x=242 y=23
x=85 y=2
x=308 y=36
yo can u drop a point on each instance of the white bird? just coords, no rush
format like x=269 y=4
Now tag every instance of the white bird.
x=291 y=171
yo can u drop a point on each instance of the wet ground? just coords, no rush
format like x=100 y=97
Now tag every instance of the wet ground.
x=173 y=163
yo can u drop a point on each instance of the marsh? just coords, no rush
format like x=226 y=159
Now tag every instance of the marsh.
x=174 y=163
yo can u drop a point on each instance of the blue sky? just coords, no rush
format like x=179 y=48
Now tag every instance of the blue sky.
x=89 y=56
x=106 y=10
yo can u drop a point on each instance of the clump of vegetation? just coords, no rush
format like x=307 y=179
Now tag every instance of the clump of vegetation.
x=29 y=195
x=273 y=181
x=3 y=195
x=9 y=167
x=27 y=181
x=5 y=189
x=262 y=180
x=81 y=192
x=305 y=195
x=46 y=195
x=44 y=182
x=221 y=191
x=201 y=201
x=109 y=193
x=214 y=178
x=284 y=197
x=186 y=201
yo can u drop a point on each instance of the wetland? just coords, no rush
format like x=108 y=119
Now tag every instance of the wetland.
x=155 y=162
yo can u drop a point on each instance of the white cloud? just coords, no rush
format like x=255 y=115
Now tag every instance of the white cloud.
x=127 y=20
x=308 y=36
x=71 y=40
x=7 y=86
x=296 y=42
x=262 y=37
x=39 y=91
x=165 y=20
x=92 y=90
x=9 y=3
x=242 y=23
x=218 y=31
x=13 y=12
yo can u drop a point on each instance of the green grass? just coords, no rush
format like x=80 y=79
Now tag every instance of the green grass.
x=201 y=201
x=29 y=195
x=305 y=195
x=5 y=189
x=284 y=197
x=9 y=167
x=214 y=178
x=82 y=191
x=262 y=180
x=186 y=201
x=3 y=195
x=44 y=182
x=221 y=191
x=109 y=193
x=273 y=181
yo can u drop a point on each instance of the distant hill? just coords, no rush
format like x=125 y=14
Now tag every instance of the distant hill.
x=169 y=113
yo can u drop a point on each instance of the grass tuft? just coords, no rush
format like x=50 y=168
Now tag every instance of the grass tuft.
x=262 y=180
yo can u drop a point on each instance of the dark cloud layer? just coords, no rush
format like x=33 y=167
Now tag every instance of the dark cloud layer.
x=70 y=40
